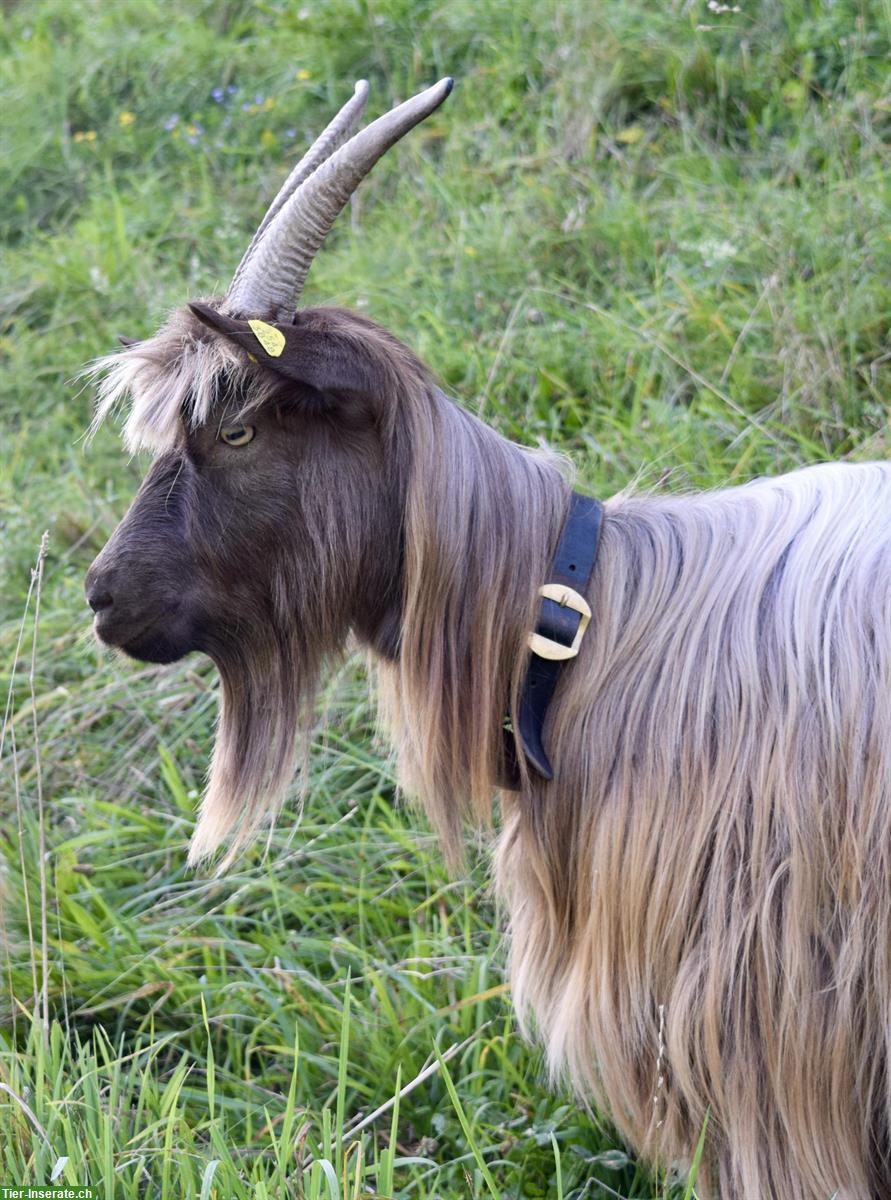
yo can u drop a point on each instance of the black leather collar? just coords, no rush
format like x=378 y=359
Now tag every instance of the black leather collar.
x=560 y=622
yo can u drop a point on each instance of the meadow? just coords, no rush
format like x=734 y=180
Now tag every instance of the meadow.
x=656 y=238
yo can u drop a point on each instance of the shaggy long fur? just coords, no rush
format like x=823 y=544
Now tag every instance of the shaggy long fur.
x=716 y=845
x=718 y=840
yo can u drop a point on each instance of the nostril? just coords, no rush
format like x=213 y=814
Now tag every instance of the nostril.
x=98 y=599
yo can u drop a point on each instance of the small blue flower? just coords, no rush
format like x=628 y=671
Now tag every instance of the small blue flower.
x=259 y=98
x=171 y=122
x=291 y=133
x=218 y=94
x=231 y=89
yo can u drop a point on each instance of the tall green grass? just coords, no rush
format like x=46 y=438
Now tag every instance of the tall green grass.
x=654 y=236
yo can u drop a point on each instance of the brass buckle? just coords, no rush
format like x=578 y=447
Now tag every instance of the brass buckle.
x=566 y=597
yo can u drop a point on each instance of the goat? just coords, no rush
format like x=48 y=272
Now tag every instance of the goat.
x=699 y=900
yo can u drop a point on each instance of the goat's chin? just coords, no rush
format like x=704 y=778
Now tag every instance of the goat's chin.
x=153 y=643
x=156 y=648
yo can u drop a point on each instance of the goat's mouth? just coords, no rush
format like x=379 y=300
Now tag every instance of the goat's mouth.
x=163 y=638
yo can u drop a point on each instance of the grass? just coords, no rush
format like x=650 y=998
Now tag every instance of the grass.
x=655 y=237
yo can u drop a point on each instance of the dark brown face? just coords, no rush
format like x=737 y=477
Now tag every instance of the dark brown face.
x=253 y=528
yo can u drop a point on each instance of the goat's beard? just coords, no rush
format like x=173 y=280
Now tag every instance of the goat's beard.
x=266 y=704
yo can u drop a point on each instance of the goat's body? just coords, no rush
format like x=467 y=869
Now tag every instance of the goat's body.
x=714 y=855
x=700 y=901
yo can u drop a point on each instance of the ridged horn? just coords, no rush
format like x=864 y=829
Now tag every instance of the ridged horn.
x=334 y=134
x=272 y=279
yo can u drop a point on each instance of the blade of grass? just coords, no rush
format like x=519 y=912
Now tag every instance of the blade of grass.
x=465 y=1125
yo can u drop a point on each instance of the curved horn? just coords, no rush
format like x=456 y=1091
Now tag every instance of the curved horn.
x=273 y=279
x=323 y=147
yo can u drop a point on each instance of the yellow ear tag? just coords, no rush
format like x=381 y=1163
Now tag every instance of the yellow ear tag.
x=271 y=339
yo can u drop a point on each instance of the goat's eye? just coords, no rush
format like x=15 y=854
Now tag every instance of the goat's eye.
x=237 y=435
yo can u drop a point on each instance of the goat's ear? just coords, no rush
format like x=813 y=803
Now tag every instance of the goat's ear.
x=317 y=358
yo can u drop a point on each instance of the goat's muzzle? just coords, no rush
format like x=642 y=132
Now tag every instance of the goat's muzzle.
x=140 y=584
x=138 y=629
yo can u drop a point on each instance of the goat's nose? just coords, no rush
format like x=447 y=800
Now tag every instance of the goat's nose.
x=99 y=597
